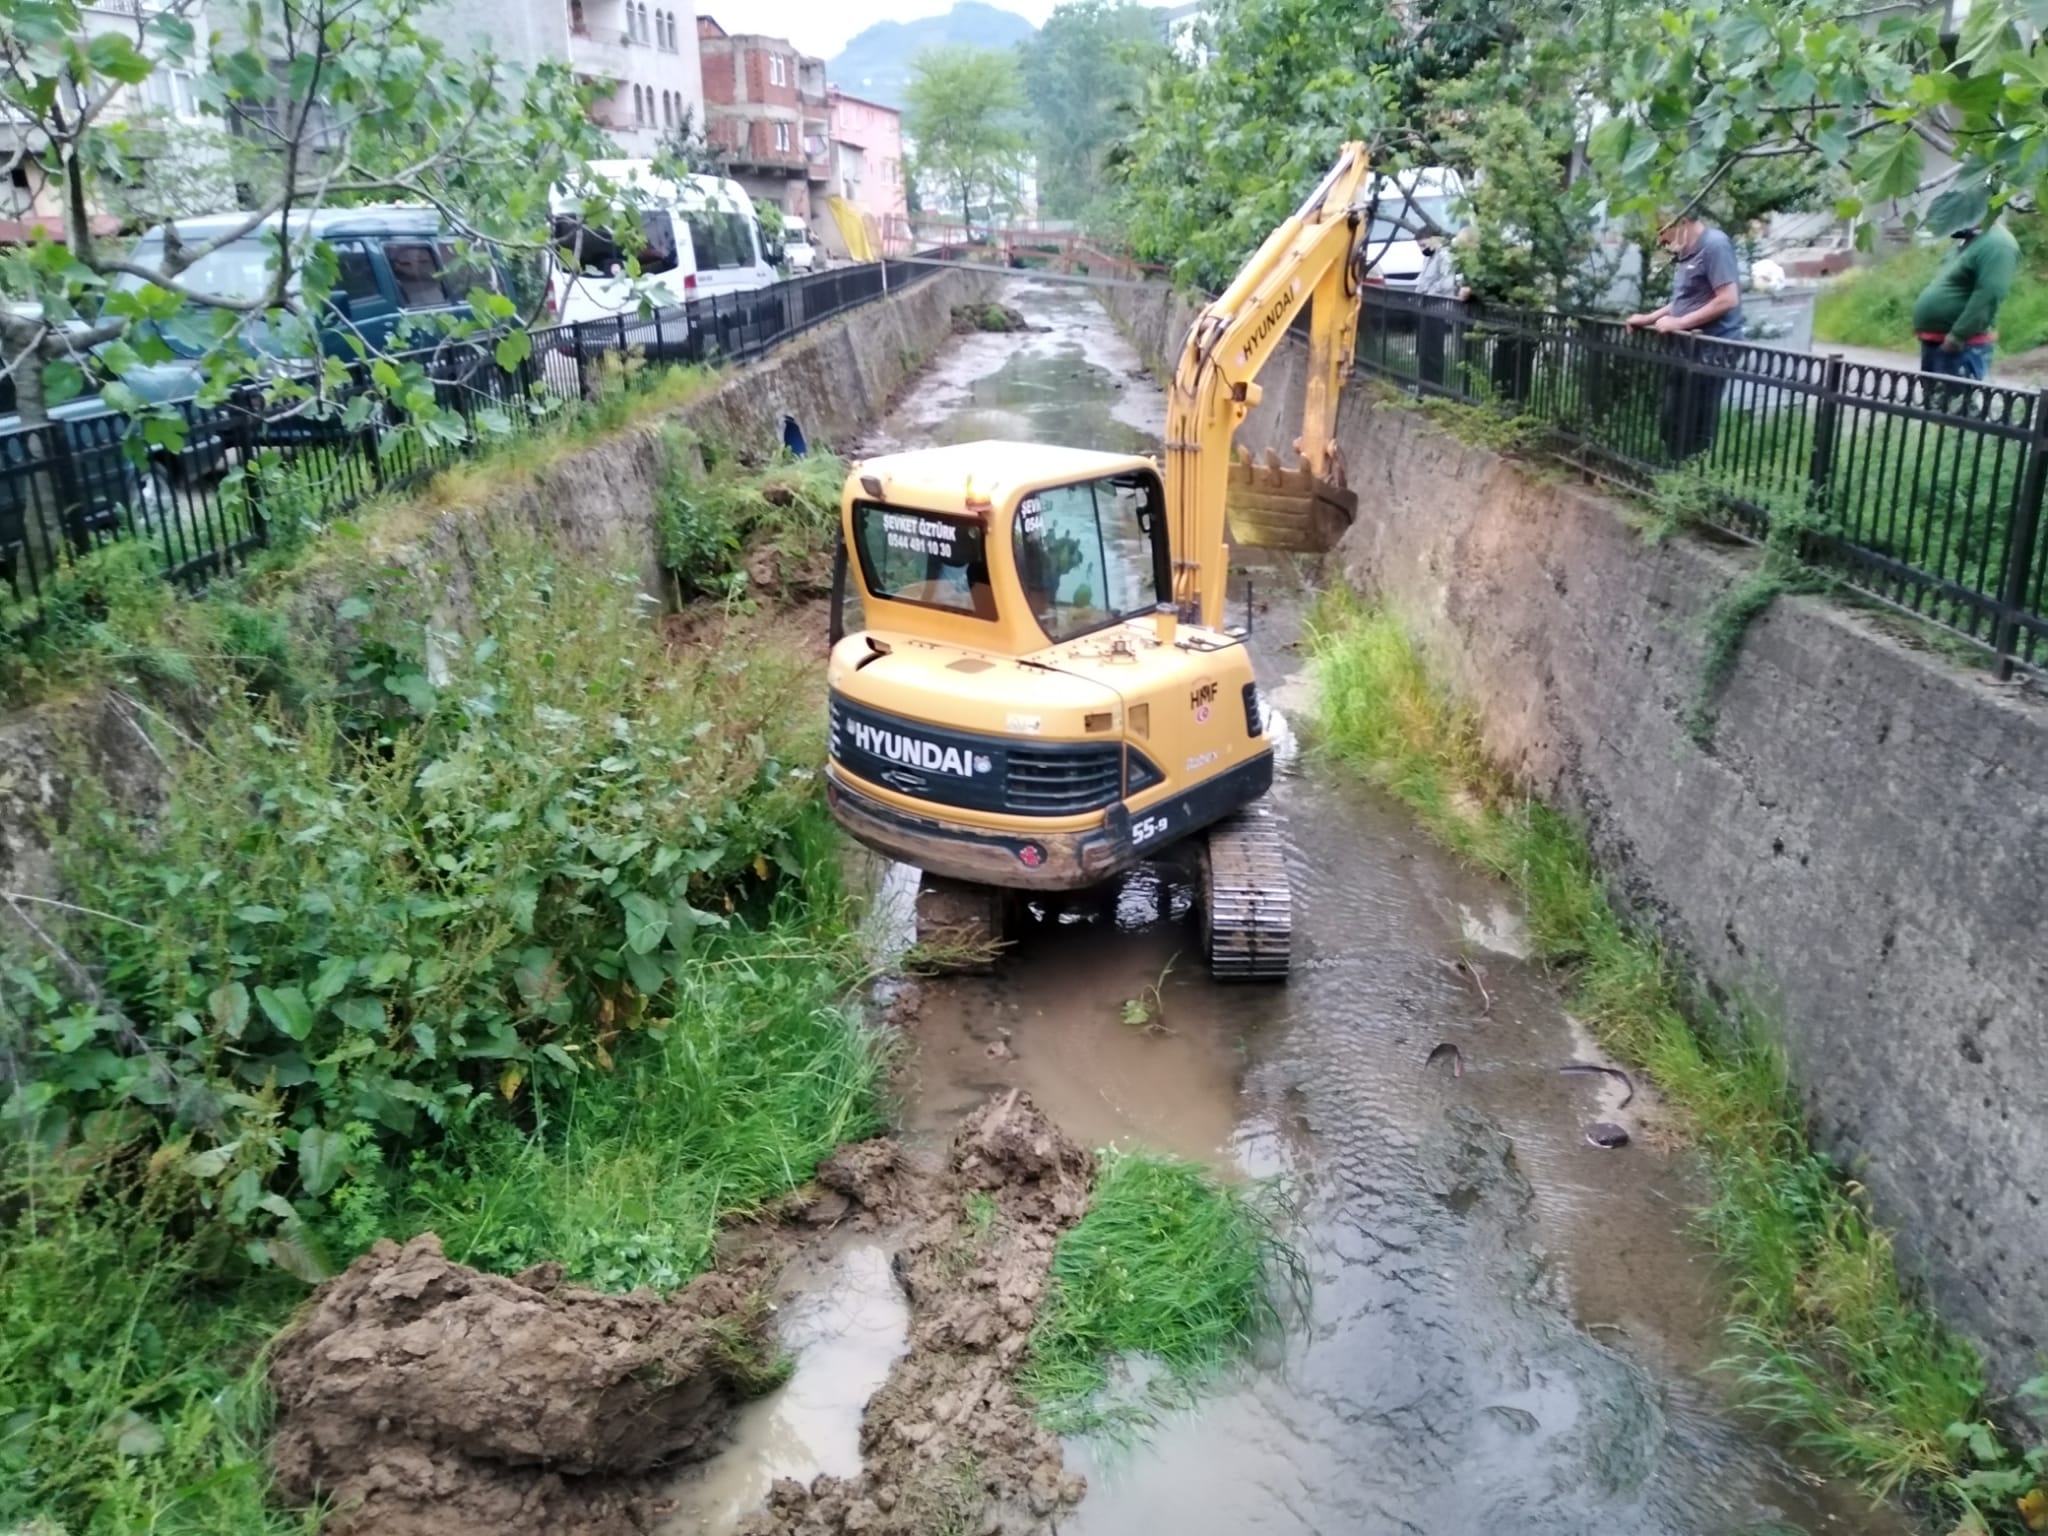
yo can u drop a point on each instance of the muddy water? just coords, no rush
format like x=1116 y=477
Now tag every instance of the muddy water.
x=1509 y=1328
x=844 y=1320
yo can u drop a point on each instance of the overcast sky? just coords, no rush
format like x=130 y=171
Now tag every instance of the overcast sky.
x=821 y=27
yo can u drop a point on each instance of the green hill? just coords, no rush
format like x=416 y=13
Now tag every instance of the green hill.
x=875 y=65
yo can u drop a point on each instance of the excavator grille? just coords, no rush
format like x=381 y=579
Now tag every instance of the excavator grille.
x=1271 y=507
x=1062 y=783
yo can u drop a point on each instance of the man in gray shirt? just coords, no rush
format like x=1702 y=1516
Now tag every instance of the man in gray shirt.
x=1706 y=298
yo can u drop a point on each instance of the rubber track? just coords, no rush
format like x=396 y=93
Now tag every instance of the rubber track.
x=1248 y=906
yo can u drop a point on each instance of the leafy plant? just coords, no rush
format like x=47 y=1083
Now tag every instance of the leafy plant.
x=467 y=882
x=1147 y=1011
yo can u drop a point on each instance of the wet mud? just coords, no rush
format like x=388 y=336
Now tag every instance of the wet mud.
x=946 y=1444
x=420 y=1396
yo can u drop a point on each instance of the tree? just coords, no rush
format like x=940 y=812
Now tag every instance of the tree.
x=1880 y=102
x=1226 y=143
x=964 y=113
x=1084 y=72
x=309 y=103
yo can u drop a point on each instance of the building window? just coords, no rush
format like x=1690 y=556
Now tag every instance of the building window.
x=577 y=24
x=668 y=109
x=778 y=71
x=782 y=137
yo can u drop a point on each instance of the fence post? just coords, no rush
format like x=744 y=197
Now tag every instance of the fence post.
x=2019 y=551
x=1826 y=428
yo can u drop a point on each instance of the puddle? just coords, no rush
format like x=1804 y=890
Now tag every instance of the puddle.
x=1510 y=1329
x=1497 y=928
x=846 y=1323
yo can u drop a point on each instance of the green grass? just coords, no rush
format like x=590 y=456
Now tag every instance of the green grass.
x=131 y=1394
x=1873 y=306
x=762 y=1070
x=1825 y=1335
x=1169 y=1264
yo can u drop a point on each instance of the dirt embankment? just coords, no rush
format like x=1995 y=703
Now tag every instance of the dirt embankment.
x=423 y=1398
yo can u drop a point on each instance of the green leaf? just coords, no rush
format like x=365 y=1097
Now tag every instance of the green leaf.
x=514 y=348
x=2036 y=1387
x=415 y=690
x=351 y=609
x=365 y=1015
x=229 y=1006
x=647 y=923
x=336 y=971
x=1890 y=163
x=259 y=914
x=647 y=975
x=62 y=381
x=321 y=1155
x=1963 y=206
x=387 y=967
x=114 y=55
x=423 y=1036
x=287 y=1008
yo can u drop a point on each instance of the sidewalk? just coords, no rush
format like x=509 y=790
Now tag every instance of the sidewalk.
x=2020 y=370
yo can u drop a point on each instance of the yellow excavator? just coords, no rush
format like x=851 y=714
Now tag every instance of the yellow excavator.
x=1043 y=692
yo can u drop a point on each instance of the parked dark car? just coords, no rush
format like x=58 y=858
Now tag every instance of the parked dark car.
x=398 y=269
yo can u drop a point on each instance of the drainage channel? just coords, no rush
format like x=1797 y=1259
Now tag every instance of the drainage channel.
x=1510 y=1328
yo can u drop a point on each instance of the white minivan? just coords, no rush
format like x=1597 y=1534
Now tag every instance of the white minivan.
x=698 y=238
x=1404 y=203
x=797 y=249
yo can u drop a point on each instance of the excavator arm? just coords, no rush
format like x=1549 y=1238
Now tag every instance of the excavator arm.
x=1310 y=259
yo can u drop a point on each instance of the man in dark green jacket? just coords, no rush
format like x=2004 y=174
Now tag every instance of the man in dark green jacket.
x=1956 y=313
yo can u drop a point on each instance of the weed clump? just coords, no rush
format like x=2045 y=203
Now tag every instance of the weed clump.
x=710 y=511
x=1170 y=1265
x=1827 y=1336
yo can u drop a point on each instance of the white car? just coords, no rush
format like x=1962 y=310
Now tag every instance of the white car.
x=698 y=237
x=797 y=249
x=1404 y=205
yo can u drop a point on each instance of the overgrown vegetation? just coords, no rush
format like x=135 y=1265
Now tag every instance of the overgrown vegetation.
x=492 y=917
x=111 y=612
x=1170 y=1265
x=1827 y=1337
x=711 y=510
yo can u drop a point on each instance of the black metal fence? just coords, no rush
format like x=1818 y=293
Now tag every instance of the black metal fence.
x=1924 y=493
x=78 y=484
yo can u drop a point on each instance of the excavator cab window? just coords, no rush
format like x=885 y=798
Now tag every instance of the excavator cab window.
x=1091 y=554
x=916 y=557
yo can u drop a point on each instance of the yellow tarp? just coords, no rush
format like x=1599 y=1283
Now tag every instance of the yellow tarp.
x=854 y=229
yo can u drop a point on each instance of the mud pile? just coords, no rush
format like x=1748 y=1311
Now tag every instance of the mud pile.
x=947 y=1444
x=420 y=1396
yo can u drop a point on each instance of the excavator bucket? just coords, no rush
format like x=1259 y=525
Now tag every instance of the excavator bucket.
x=1271 y=507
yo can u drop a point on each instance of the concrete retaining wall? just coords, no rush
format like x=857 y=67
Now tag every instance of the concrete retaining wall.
x=1863 y=850
x=833 y=380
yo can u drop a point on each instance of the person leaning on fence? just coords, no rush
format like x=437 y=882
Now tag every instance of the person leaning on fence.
x=1440 y=283
x=1956 y=315
x=1706 y=301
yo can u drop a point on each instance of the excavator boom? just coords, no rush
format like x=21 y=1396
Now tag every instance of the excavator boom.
x=1311 y=259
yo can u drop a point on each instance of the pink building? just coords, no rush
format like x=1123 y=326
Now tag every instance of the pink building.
x=867 y=162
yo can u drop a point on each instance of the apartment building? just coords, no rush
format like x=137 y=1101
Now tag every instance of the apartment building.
x=766 y=114
x=867 y=161
x=177 y=160
x=641 y=54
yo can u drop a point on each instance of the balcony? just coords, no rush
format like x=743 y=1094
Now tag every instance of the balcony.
x=601 y=54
